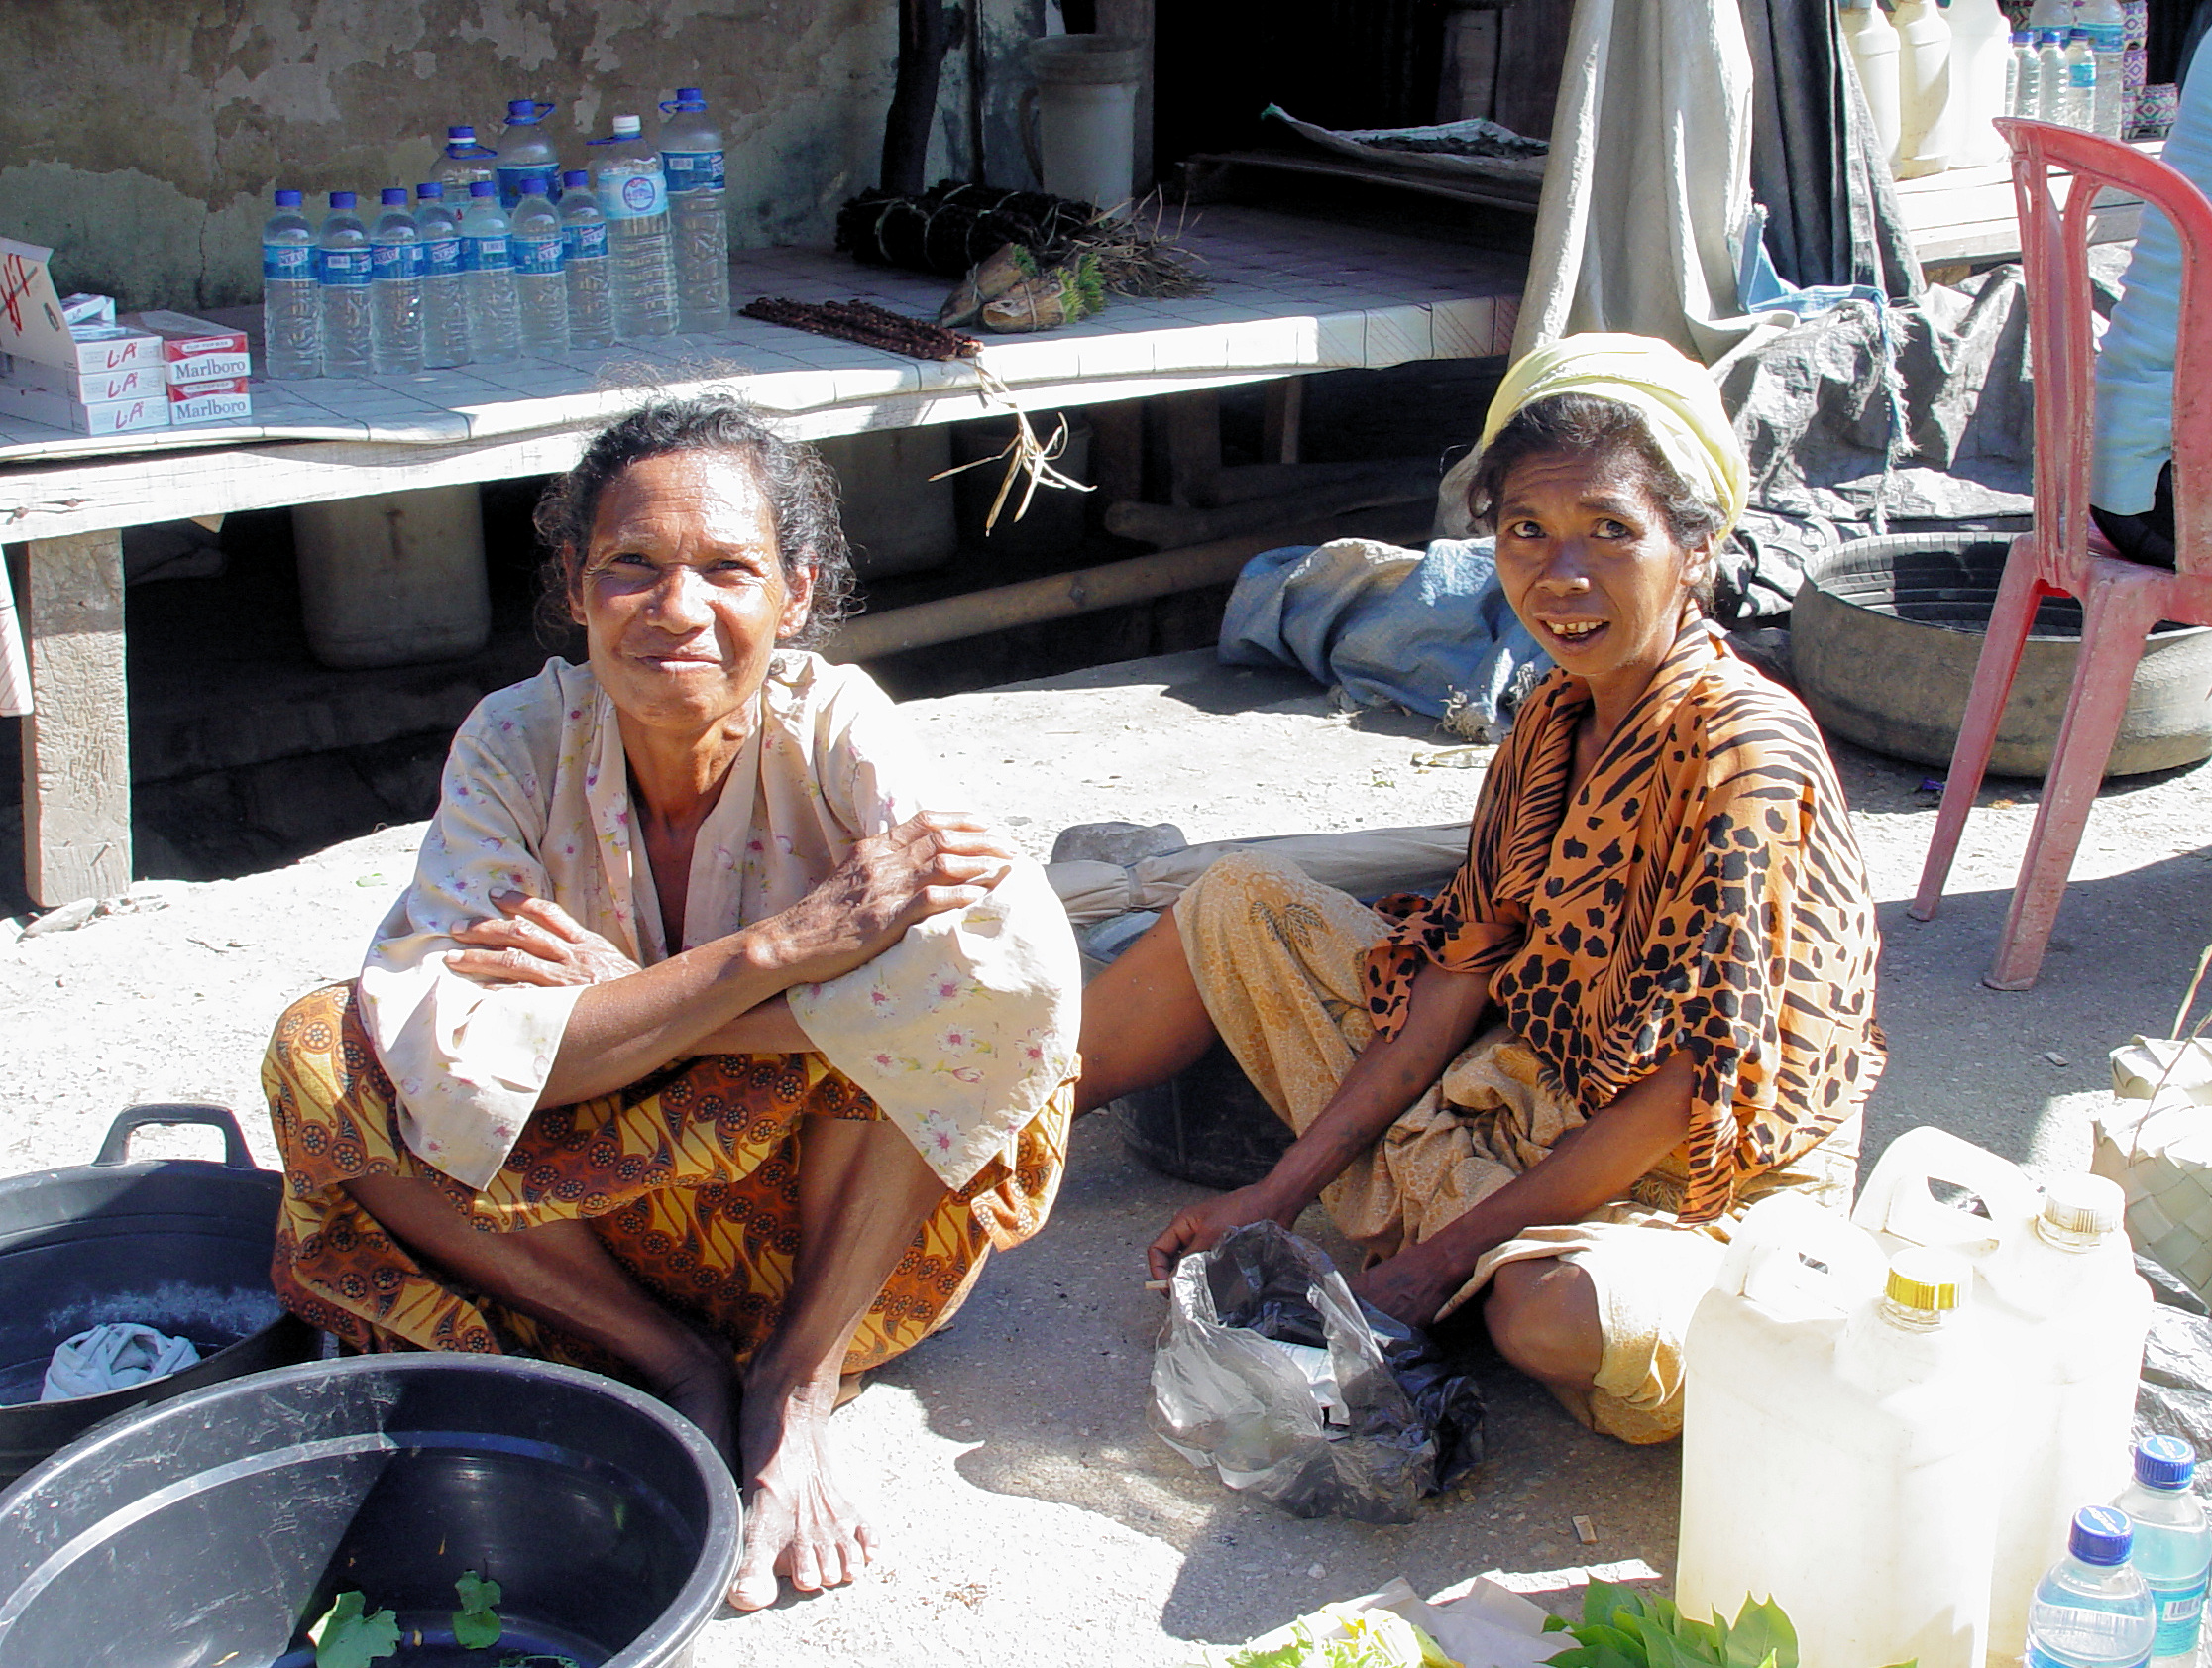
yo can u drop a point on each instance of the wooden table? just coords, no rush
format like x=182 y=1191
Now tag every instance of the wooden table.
x=1966 y=215
x=1291 y=296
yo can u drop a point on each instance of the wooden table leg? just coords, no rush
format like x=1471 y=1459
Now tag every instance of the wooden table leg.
x=76 y=745
x=1281 y=418
x=1193 y=445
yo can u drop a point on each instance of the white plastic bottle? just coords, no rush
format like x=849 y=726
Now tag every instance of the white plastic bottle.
x=2092 y=1610
x=344 y=271
x=526 y=151
x=584 y=262
x=395 y=287
x=2052 y=97
x=1980 y=77
x=540 y=287
x=1837 y=1446
x=692 y=159
x=2173 y=1545
x=1924 y=89
x=2020 y=81
x=445 y=308
x=2107 y=25
x=2081 y=81
x=632 y=193
x=462 y=164
x=2051 y=13
x=1874 y=47
x=291 y=296
x=488 y=279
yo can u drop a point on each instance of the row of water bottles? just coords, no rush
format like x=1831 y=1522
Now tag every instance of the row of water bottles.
x=2129 y=1590
x=2072 y=76
x=488 y=264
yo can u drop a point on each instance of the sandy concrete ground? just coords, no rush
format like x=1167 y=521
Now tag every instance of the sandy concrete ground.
x=1031 y=1517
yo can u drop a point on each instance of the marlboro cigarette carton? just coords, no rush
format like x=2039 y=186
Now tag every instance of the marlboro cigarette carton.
x=192 y=349
x=59 y=409
x=215 y=401
x=87 y=388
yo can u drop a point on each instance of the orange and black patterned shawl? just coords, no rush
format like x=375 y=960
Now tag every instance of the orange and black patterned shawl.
x=1703 y=891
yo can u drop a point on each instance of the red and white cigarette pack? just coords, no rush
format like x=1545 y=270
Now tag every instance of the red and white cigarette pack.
x=218 y=400
x=193 y=350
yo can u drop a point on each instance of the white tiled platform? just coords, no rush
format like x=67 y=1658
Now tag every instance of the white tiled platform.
x=1289 y=297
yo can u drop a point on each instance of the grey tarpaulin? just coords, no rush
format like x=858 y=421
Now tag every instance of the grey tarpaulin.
x=1429 y=631
x=1831 y=212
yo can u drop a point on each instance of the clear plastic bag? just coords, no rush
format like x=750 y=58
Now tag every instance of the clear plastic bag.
x=1272 y=1374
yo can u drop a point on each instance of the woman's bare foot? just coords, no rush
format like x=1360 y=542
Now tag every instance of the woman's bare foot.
x=799 y=1525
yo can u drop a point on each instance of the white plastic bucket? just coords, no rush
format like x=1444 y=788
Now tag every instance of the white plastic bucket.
x=1086 y=115
x=394 y=580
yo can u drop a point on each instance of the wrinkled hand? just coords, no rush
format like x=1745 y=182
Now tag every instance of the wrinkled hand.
x=535 y=942
x=1199 y=1227
x=1411 y=1286
x=929 y=864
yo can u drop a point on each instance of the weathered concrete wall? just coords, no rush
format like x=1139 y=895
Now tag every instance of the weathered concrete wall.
x=141 y=139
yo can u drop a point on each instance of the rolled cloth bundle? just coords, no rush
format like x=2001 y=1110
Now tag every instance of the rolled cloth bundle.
x=1674 y=395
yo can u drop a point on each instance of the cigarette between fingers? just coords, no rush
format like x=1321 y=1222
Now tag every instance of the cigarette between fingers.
x=1157 y=1285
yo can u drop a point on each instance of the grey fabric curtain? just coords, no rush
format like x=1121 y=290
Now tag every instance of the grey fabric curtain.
x=1831 y=211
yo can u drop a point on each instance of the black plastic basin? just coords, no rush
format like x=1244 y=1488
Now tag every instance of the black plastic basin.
x=218 y=1526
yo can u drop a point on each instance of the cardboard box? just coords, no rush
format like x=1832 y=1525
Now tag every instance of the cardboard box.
x=149 y=380
x=33 y=324
x=51 y=406
x=220 y=401
x=195 y=350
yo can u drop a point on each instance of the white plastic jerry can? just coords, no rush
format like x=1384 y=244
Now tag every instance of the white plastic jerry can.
x=1837 y=1452
x=2062 y=1315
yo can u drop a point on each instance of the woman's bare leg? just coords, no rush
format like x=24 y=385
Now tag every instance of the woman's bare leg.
x=863 y=1194
x=1144 y=1020
x=559 y=1273
x=1542 y=1314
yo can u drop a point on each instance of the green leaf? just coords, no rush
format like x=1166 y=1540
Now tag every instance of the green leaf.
x=347 y=1638
x=1761 y=1634
x=475 y=1626
x=1293 y=1655
x=1909 y=1662
x=1602 y=1599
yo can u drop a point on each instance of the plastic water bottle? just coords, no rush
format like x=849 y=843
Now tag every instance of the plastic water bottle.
x=292 y=300
x=632 y=193
x=445 y=309
x=692 y=159
x=2081 y=107
x=488 y=278
x=541 y=289
x=526 y=151
x=462 y=162
x=2020 y=85
x=2092 y=1610
x=343 y=271
x=2107 y=26
x=2173 y=1544
x=2051 y=13
x=2050 y=76
x=395 y=287
x=590 y=303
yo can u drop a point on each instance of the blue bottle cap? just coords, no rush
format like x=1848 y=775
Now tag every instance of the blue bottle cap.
x=482 y=189
x=430 y=191
x=533 y=185
x=288 y=200
x=2101 y=1535
x=464 y=131
x=393 y=196
x=341 y=199
x=2165 y=1461
x=522 y=110
x=687 y=98
x=575 y=180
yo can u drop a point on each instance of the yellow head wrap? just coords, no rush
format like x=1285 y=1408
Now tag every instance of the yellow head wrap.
x=1673 y=393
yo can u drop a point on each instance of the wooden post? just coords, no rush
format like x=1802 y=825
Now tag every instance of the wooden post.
x=1117 y=449
x=1281 y=418
x=1193 y=445
x=76 y=745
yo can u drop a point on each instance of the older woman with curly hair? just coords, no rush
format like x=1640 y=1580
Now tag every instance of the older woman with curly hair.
x=1647 y=997
x=710 y=1043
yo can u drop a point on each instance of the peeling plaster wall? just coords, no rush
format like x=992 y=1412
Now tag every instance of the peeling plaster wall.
x=141 y=139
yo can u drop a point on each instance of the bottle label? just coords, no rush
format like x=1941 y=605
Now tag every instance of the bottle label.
x=2037 y=1657
x=584 y=242
x=288 y=261
x=395 y=261
x=346 y=269
x=441 y=257
x=2082 y=76
x=486 y=254
x=692 y=170
x=2107 y=38
x=2180 y=1608
x=539 y=257
x=632 y=196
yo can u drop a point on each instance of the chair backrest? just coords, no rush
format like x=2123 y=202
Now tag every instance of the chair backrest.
x=2054 y=251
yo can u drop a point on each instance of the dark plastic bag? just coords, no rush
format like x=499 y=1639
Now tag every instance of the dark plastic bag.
x=1364 y=1423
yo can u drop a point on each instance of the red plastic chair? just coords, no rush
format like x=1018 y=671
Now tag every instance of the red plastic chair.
x=2121 y=601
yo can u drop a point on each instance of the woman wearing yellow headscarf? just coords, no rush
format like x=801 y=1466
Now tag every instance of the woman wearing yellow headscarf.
x=1647 y=997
